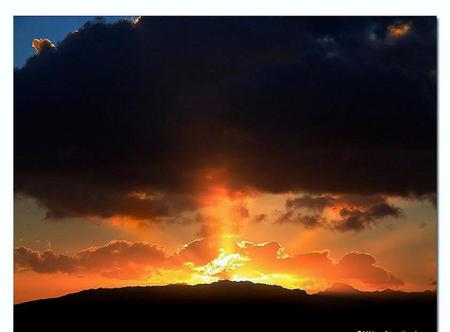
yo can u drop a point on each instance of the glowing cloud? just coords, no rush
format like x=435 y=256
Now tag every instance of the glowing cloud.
x=207 y=260
x=399 y=29
x=41 y=43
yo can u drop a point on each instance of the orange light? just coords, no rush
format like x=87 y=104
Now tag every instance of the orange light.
x=399 y=30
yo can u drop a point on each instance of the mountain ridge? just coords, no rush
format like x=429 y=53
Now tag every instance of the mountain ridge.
x=254 y=305
x=337 y=288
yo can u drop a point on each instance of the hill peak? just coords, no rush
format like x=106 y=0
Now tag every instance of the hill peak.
x=341 y=288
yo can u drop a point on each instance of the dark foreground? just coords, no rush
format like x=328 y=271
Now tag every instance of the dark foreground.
x=242 y=306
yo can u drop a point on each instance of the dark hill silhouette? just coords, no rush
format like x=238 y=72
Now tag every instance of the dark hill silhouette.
x=341 y=288
x=226 y=304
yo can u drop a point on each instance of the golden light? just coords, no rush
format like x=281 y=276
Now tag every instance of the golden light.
x=40 y=43
x=224 y=264
x=399 y=29
x=136 y=20
x=228 y=210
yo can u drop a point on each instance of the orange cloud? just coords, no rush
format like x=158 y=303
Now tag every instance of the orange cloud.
x=361 y=266
x=42 y=261
x=117 y=259
x=399 y=29
x=41 y=43
x=207 y=260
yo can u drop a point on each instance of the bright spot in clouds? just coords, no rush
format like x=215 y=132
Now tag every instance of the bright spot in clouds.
x=399 y=29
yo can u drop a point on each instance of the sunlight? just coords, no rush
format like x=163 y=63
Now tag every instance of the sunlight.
x=223 y=264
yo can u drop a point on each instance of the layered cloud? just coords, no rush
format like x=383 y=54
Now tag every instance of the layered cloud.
x=341 y=212
x=206 y=260
x=117 y=259
x=170 y=107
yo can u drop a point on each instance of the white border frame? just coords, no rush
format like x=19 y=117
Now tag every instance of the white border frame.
x=220 y=7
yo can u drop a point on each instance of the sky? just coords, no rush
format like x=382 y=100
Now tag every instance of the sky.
x=296 y=151
x=55 y=28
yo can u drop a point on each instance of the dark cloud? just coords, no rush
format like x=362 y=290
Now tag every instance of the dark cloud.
x=356 y=212
x=259 y=217
x=315 y=203
x=431 y=198
x=67 y=198
x=275 y=104
x=308 y=221
x=285 y=217
x=319 y=202
x=356 y=219
x=241 y=211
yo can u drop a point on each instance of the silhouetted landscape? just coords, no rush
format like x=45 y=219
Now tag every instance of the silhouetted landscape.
x=296 y=151
x=339 y=308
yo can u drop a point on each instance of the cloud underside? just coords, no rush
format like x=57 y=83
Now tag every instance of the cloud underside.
x=170 y=107
x=348 y=212
x=204 y=261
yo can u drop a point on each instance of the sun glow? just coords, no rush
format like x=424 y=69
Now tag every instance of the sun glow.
x=223 y=265
x=237 y=267
x=226 y=210
x=221 y=251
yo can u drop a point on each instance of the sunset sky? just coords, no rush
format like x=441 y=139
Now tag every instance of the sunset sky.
x=292 y=151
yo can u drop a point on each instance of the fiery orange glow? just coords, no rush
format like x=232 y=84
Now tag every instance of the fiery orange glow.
x=399 y=29
x=193 y=156
x=221 y=250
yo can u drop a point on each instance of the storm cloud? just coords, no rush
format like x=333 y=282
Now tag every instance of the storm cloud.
x=168 y=106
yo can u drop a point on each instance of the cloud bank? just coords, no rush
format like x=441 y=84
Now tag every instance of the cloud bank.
x=204 y=260
x=172 y=106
